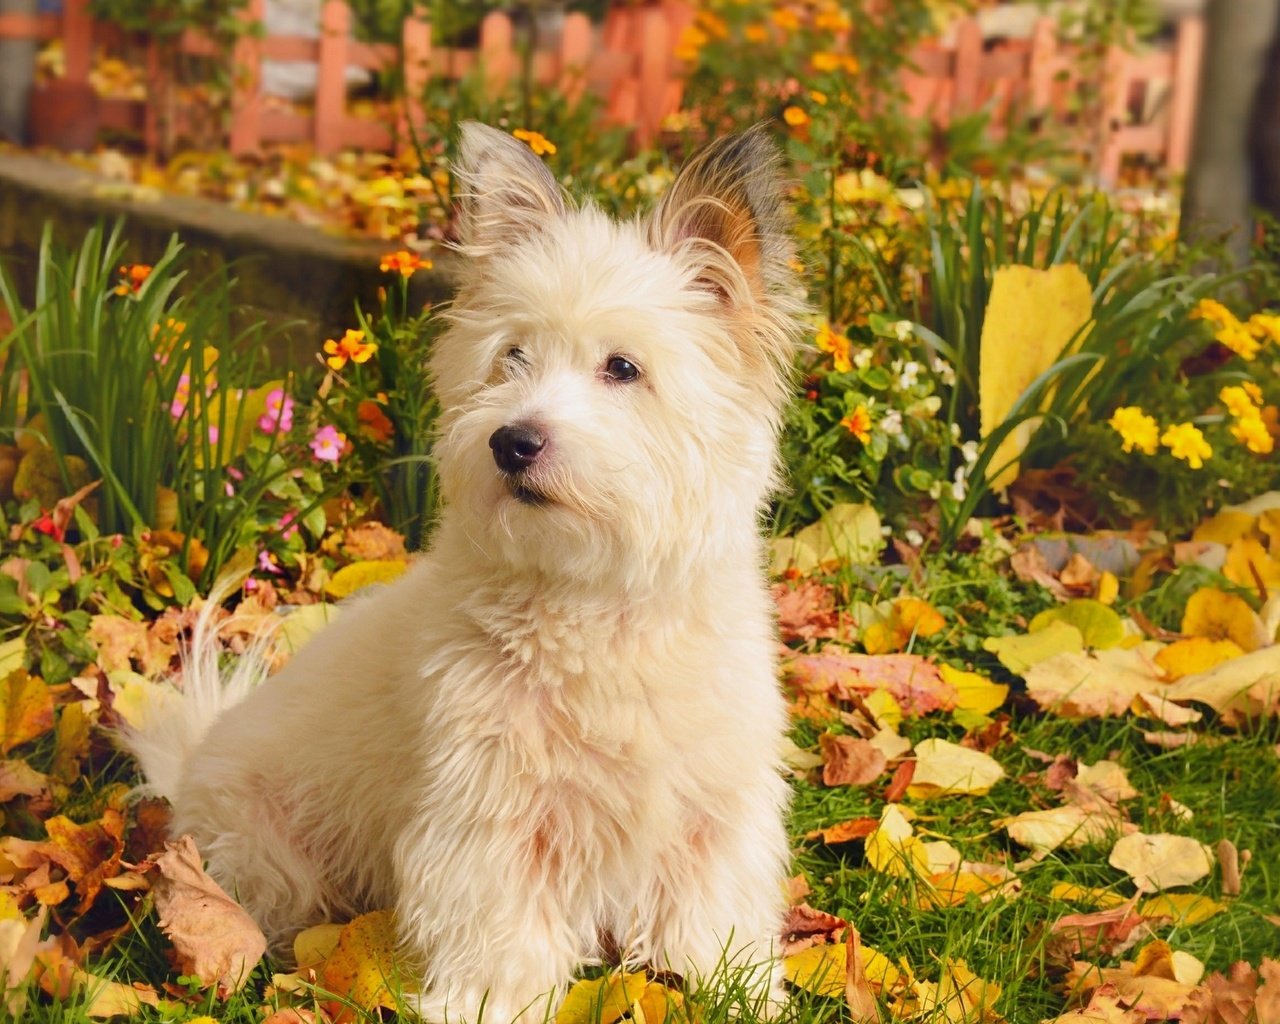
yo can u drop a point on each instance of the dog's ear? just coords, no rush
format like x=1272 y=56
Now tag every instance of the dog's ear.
x=506 y=193
x=728 y=201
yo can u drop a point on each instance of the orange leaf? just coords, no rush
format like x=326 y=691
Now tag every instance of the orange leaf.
x=26 y=709
x=363 y=964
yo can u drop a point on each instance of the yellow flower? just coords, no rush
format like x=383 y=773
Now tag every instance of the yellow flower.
x=1236 y=337
x=536 y=140
x=1185 y=442
x=795 y=116
x=837 y=345
x=819 y=98
x=831 y=19
x=1238 y=402
x=1251 y=432
x=712 y=24
x=1265 y=327
x=404 y=261
x=1136 y=429
x=1212 y=309
x=351 y=347
x=858 y=423
x=1253 y=391
x=756 y=33
x=691 y=42
x=785 y=18
x=825 y=61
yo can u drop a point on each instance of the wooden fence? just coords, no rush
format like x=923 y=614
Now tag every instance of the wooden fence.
x=1146 y=106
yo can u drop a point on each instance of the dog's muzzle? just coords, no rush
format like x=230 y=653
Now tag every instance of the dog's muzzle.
x=515 y=449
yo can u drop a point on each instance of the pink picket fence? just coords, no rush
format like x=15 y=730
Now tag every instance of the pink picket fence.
x=1147 y=105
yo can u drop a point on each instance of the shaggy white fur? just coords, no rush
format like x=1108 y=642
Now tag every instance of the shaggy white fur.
x=559 y=731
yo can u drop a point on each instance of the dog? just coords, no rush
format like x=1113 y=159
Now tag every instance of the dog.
x=559 y=731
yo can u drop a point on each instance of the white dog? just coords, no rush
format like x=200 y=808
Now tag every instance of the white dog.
x=559 y=732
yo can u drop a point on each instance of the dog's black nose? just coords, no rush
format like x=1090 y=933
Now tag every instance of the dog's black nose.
x=516 y=448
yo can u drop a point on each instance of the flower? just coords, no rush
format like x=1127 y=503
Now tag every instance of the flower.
x=1237 y=337
x=858 y=423
x=831 y=19
x=132 y=278
x=785 y=18
x=267 y=563
x=288 y=525
x=181 y=395
x=328 y=443
x=537 y=142
x=795 y=117
x=404 y=261
x=756 y=33
x=1238 y=402
x=352 y=347
x=820 y=98
x=824 y=62
x=1185 y=442
x=1252 y=432
x=908 y=373
x=1212 y=309
x=837 y=345
x=373 y=421
x=1265 y=327
x=1136 y=429
x=945 y=371
x=891 y=422
x=279 y=414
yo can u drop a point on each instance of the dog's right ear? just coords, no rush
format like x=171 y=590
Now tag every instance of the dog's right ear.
x=507 y=192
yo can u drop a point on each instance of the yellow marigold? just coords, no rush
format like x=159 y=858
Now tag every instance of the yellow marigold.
x=858 y=423
x=1236 y=337
x=818 y=97
x=832 y=19
x=1265 y=327
x=1185 y=442
x=837 y=345
x=712 y=24
x=404 y=262
x=756 y=33
x=1238 y=401
x=1136 y=429
x=690 y=44
x=1253 y=391
x=1252 y=432
x=825 y=62
x=536 y=141
x=795 y=116
x=1212 y=309
x=785 y=18
x=350 y=347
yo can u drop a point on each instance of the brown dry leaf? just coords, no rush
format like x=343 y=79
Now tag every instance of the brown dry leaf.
x=845 y=831
x=849 y=761
x=123 y=642
x=1158 y=982
x=89 y=854
x=17 y=778
x=960 y=997
x=857 y=989
x=363 y=963
x=1104 y=1007
x=1159 y=707
x=19 y=941
x=1241 y=688
x=1072 y=826
x=945 y=769
x=26 y=709
x=797 y=889
x=1161 y=860
x=152 y=817
x=61 y=978
x=1094 y=685
x=1098 y=933
x=1029 y=565
x=1242 y=996
x=373 y=542
x=806 y=926
x=808 y=611
x=1108 y=780
x=214 y=938
x=913 y=682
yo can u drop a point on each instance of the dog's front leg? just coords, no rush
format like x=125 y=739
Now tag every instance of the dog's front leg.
x=492 y=946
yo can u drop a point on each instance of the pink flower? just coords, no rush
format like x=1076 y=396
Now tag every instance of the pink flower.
x=288 y=525
x=267 y=563
x=279 y=414
x=180 y=396
x=328 y=443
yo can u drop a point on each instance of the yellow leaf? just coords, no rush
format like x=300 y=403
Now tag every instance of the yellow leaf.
x=818 y=969
x=1186 y=908
x=1225 y=528
x=1247 y=563
x=1070 y=826
x=1218 y=615
x=362 y=966
x=974 y=692
x=1019 y=653
x=313 y=946
x=1098 y=685
x=959 y=997
x=301 y=624
x=787 y=553
x=11 y=654
x=1100 y=627
x=1195 y=654
x=986 y=881
x=603 y=1000
x=894 y=849
x=26 y=709
x=71 y=744
x=884 y=706
x=1246 y=686
x=945 y=769
x=1160 y=860
x=350 y=578
x=1095 y=897
x=1108 y=588
x=1031 y=317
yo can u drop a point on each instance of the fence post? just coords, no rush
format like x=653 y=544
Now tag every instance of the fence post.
x=1187 y=53
x=246 y=84
x=1112 y=113
x=1040 y=64
x=968 y=68
x=77 y=40
x=575 y=55
x=497 y=52
x=415 y=50
x=655 y=60
x=331 y=76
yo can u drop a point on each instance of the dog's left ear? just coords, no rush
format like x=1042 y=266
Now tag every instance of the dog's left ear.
x=725 y=215
x=507 y=192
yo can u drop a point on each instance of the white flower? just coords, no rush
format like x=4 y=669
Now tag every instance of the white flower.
x=915 y=538
x=886 y=530
x=891 y=422
x=958 y=485
x=909 y=375
x=862 y=358
x=901 y=329
x=945 y=371
x=935 y=490
x=969 y=452
x=955 y=431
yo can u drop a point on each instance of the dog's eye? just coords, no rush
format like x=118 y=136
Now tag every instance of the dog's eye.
x=621 y=369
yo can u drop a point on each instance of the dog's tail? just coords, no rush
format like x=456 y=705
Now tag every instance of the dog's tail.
x=180 y=713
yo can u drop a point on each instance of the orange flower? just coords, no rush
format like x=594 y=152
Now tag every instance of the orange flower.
x=404 y=261
x=795 y=116
x=537 y=142
x=836 y=345
x=785 y=18
x=132 y=278
x=351 y=347
x=373 y=421
x=858 y=423
x=756 y=33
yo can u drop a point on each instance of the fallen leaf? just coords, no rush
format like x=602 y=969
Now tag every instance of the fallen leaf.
x=808 y=611
x=1161 y=860
x=373 y=542
x=857 y=989
x=1248 y=564
x=944 y=768
x=358 y=575
x=71 y=742
x=1195 y=654
x=1153 y=983
x=1100 y=627
x=959 y=997
x=214 y=938
x=1217 y=615
x=608 y=999
x=1098 y=933
x=913 y=683
x=985 y=881
x=1182 y=908
x=1241 y=688
x=849 y=761
x=1020 y=653
x=17 y=778
x=847 y=534
x=89 y=854
x=1068 y=892
x=1044 y=831
x=806 y=926
x=1229 y=864
x=894 y=849
x=1107 y=779
x=362 y=964
x=313 y=946
x=824 y=969
x=1029 y=565
x=19 y=941
x=1104 y=1007
x=1096 y=685
x=26 y=709
x=1242 y=995
x=974 y=692
x=96 y=996
x=845 y=831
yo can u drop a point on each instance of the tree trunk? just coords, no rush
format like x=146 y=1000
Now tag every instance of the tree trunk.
x=1220 y=182
x=1264 y=133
